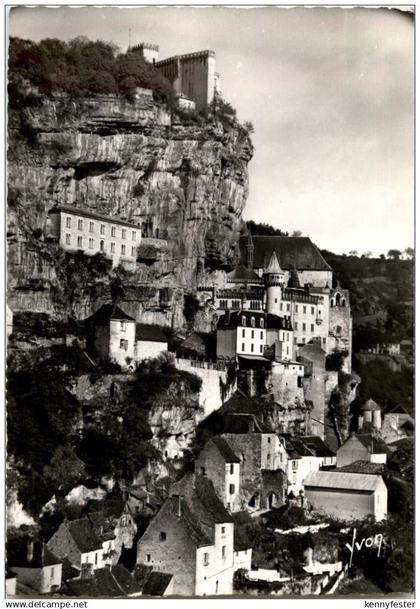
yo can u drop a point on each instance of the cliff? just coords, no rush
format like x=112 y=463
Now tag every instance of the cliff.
x=182 y=179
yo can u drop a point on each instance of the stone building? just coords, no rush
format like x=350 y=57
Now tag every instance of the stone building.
x=77 y=541
x=76 y=229
x=34 y=565
x=192 y=537
x=306 y=454
x=113 y=523
x=362 y=447
x=347 y=496
x=114 y=335
x=192 y=76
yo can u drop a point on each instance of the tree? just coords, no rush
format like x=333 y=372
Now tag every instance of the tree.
x=249 y=127
x=394 y=254
x=410 y=253
x=353 y=253
x=296 y=233
x=262 y=228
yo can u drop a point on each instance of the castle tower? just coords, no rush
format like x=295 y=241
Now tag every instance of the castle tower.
x=274 y=280
x=149 y=52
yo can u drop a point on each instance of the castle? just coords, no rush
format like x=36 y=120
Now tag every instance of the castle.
x=193 y=77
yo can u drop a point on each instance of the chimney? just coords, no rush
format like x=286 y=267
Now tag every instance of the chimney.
x=30 y=550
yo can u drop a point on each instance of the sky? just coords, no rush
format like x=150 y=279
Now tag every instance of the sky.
x=330 y=92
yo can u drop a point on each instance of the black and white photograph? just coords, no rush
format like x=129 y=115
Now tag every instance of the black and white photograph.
x=209 y=303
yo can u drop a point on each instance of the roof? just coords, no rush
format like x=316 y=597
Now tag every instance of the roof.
x=80 y=211
x=151 y=333
x=84 y=536
x=370 y=405
x=108 y=312
x=241 y=539
x=363 y=467
x=157 y=583
x=275 y=322
x=374 y=445
x=225 y=450
x=273 y=265
x=233 y=319
x=342 y=480
x=294 y=280
x=242 y=274
x=17 y=554
x=317 y=446
x=294 y=252
x=106 y=582
x=188 y=518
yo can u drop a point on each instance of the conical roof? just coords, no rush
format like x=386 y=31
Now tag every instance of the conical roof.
x=370 y=405
x=273 y=265
x=294 y=279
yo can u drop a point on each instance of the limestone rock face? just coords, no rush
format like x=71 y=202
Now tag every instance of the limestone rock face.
x=184 y=181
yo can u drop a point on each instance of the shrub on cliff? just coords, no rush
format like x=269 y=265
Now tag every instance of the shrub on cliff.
x=79 y=67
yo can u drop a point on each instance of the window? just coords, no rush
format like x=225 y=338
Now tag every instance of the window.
x=96 y=558
x=252 y=333
x=304 y=309
x=203 y=471
x=112 y=248
x=275 y=300
x=123 y=326
x=295 y=464
x=232 y=468
x=261 y=348
x=324 y=340
x=223 y=552
x=252 y=347
x=52 y=571
x=287 y=350
x=133 y=235
x=217 y=586
x=253 y=322
x=313 y=310
x=148 y=557
x=91 y=244
x=68 y=222
x=102 y=245
x=79 y=241
x=102 y=229
x=303 y=340
x=261 y=335
x=123 y=250
x=295 y=340
x=80 y=224
x=123 y=344
x=312 y=328
x=268 y=456
x=261 y=322
x=113 y=231
x=281 y=306
x=243 y=346
x=133 y=251
x=231 y=489
x=243 y=321
x=304 y=327
x=123 y=233
x=223 y=530
x=296 y=325
x=243 y=333
x=68 y=239
x=206 y=559
x=288 y=306
x=162 y=536
x=91 y=227
x=296 y=309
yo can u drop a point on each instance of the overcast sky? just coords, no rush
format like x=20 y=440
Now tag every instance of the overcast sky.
x=330 y=94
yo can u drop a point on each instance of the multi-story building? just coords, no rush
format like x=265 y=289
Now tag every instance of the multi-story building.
x=192 y=537
x=306 y=454
x=218 y=461
x=114 y=335
x=80 y=229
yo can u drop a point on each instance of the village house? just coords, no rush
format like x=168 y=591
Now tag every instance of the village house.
x=305 y=454
x=77 y=541
x=34 y=565
x=362 y=447
x=76 y=229
x=113 y=523
x=346 y=496
x=370 y=417
x=192 y=536
x=114 y=335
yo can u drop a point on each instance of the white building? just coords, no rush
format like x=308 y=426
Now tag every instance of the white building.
x=362 y=447
x=80 y=229
x=306 y=454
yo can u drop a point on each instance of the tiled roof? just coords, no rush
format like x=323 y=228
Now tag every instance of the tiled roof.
x=241 y=275
x=294 y=280
x=292 y=252
x=374 y=445
x=151 y=333
x=157 y=583
x=108 y=312
x=225 y=450
x=273 y=265
x=189 y=519
x=233 y=319
x=84 y=536
x=275 y=322
x=80 y=211
x=112 y=582
x=342 y=480
x=362 y=467
x=317 y=446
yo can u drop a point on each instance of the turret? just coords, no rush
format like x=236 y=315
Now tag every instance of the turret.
x=149 y=52
x=274 y=280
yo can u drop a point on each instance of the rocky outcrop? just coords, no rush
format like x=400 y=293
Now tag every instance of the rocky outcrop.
x=183 y=181
x=341 y=399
